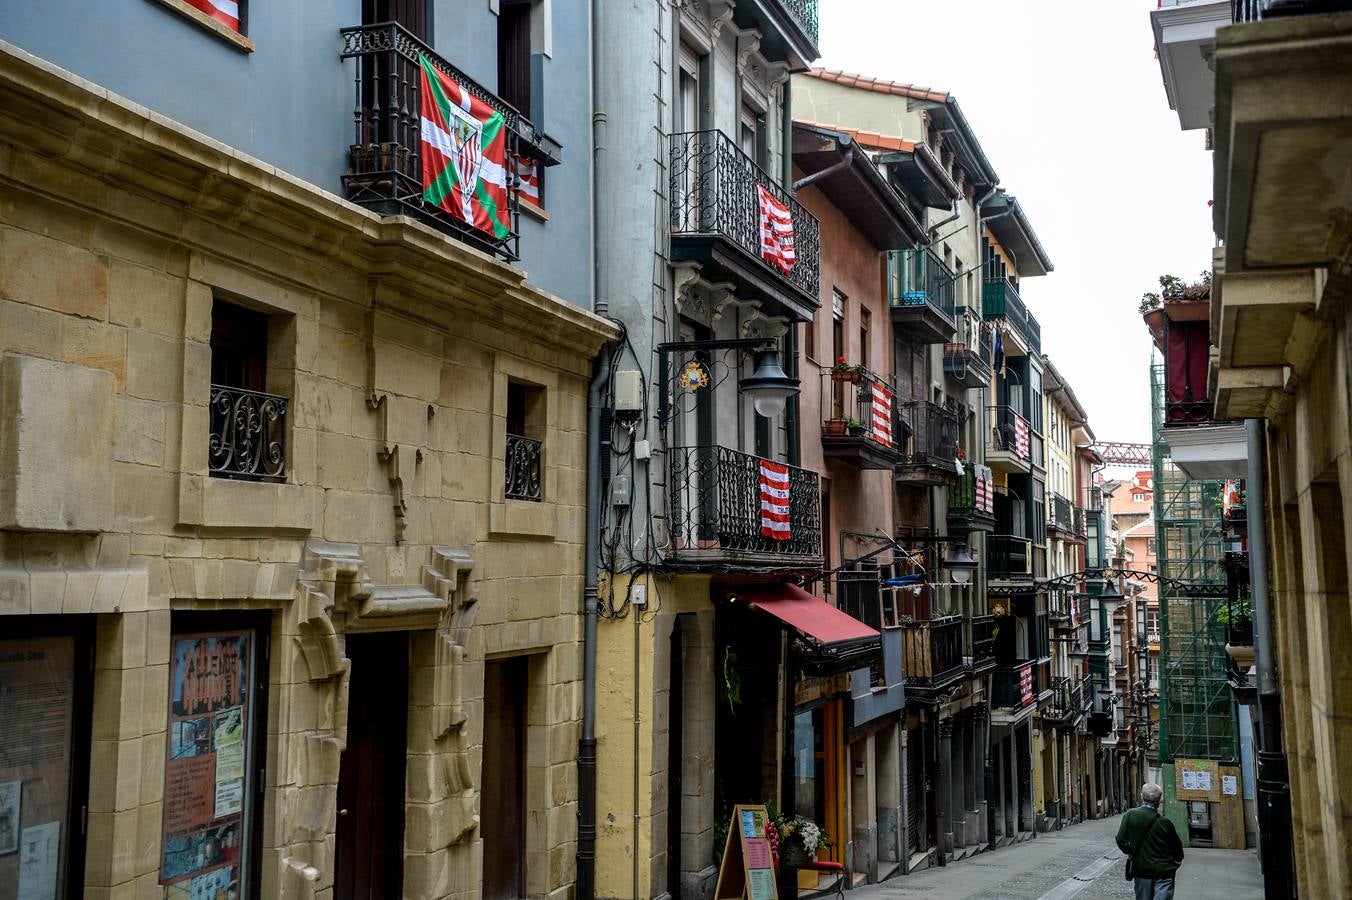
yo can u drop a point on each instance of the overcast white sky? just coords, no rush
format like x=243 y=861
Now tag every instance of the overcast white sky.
x=1066 y=99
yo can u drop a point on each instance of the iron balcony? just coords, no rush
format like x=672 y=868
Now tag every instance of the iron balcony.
x=714 y=512
x=716 y=221
x=964 y=512
x=1009 y=447
x=523 y=475
x=851 y=433
x=967 y=359
x=930 y=443
x=1000 y=300
x=922 y=295
x=1009 y=558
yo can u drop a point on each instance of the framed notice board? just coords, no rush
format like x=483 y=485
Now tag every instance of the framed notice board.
x=748 y=871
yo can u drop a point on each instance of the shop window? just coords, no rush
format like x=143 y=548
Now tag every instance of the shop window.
x=45 y=694
x=209 y=845
x=525 y=445
x=247 y=423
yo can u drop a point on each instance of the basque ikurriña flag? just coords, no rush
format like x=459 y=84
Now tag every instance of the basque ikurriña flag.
x=774 y=500
x=464 y=153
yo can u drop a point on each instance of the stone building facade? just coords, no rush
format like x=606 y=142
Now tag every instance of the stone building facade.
x=383 y=564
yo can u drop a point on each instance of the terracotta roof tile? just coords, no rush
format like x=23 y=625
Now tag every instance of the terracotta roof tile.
x=871 y=139
x=868 y=83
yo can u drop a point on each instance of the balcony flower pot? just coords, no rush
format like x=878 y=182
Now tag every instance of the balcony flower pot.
x=836 y=427
x=843 y=371
x=857 y=429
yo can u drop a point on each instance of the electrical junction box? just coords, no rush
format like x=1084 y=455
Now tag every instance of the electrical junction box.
x=629 y=391
x=643 y=449
x=621 y=487
x=640 y=595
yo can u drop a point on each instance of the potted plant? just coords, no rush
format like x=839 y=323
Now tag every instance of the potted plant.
x=1237 y=618
x=855 y=426
x=799 y=840
x=843 y=371
x=837 y=425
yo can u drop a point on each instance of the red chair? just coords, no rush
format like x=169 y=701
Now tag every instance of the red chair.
x=828 y=867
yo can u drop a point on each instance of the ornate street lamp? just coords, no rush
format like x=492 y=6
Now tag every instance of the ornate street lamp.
x=961 y=565
x=768 y=387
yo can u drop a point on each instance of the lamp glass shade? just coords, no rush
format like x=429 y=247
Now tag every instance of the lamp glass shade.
x=961 y=565
x=768 y=387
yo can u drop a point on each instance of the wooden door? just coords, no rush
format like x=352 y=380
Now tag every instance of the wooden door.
x=502 y=809
x=369 y=859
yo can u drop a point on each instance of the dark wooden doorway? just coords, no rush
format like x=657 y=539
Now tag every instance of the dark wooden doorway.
x=502 y=810
x=369 y=859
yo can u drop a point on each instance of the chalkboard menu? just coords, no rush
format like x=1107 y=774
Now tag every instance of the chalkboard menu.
x=748 y=871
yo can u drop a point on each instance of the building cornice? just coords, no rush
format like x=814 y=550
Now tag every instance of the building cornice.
x=80 y=145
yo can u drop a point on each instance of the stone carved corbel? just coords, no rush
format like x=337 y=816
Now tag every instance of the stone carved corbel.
x=720 y=14
x=450 y=573
x=401 y=460
x=759 y=325
x=748 y=42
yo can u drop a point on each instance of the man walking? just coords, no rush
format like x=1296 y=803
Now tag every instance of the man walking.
x=1153 y=849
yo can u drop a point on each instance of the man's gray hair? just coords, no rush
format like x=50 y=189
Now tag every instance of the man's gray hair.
x=1152 y=794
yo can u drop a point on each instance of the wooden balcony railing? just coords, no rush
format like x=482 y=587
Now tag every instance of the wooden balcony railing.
x=932 y=650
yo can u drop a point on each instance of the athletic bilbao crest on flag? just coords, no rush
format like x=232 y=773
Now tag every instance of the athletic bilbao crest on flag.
x=464 y=153
x=882 y=414
x=774 y=500
x=776 y=231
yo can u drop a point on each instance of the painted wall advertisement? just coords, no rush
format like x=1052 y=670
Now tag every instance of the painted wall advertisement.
x=206 y=771
x=37 y=696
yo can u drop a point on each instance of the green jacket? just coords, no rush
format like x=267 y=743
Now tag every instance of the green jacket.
x=1161 y=852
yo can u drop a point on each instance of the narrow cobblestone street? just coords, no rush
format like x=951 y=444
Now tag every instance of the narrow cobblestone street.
x=1081 y=861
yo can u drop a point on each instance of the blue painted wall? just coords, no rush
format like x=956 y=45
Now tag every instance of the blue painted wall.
x=290 y=102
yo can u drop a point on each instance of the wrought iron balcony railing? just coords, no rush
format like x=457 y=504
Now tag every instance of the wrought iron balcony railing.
x=931 y=437
x=715 y=192
x=715 y=506
x=922 y=294
x=1081 y=523
x=1256 y=10
x=1001 y=300
x=932 y=650
x=1010 y=433
x=861 y=423
x=968 y=358
x=1012 y=686
x=971 y=505
x=805 y=13
x=523 y=468
x=248 y=434
x=984 y=630
x=1060 y=514
x=385 y=171
x=1009 y=557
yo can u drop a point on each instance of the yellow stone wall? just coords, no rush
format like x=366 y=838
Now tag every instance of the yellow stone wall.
x=395 y=345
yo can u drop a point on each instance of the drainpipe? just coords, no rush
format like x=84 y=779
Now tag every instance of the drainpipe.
x=586 y=745
x=1274 y=788
x=829 y=170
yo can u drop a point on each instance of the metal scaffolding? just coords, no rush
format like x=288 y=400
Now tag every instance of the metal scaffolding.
x=1197 y=718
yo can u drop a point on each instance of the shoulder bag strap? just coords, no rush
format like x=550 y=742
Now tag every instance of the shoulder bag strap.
x=1141 y=840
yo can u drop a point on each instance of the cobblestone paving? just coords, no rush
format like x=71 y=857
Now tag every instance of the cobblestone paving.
x=1034 y=868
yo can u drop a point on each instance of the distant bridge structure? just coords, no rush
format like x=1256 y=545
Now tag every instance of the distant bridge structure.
x=1119 y=453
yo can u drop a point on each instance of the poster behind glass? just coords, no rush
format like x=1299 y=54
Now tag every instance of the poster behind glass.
x=37 y=696
x=207 y=771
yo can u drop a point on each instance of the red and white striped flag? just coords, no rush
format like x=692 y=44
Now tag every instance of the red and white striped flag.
x=882 y=414
x=776 y=231
x=985 y=489
x=774 y=500
x=224 y=11
x=1021 y=436
x=529 y=174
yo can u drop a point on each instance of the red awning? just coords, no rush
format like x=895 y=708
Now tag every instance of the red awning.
x=811 y=615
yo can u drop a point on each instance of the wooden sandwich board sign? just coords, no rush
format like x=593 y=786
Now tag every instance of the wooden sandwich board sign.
x=748 y=871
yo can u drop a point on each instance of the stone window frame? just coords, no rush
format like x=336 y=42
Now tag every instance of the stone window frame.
x=229 y=503
x=525 y=518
